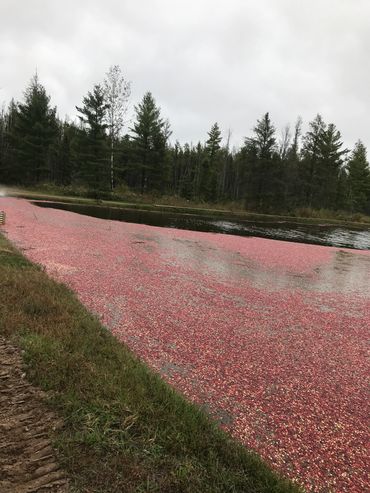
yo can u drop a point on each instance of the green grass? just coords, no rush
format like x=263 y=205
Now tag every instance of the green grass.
x=125 y=429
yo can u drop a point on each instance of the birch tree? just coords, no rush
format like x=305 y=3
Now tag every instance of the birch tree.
x=117 y=91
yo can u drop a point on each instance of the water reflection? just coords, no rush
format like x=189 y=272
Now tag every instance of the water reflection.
x=347 y=272
x=314 y=234
x=282 y=230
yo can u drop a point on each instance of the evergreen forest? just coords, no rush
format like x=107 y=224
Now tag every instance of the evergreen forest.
x=101 y=153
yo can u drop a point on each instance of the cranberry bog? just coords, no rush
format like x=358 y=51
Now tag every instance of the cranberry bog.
x=268 y=337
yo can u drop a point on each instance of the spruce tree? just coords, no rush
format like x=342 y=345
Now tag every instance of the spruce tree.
x=211 y=164
x=91 y=148
x=322 y=160
x=264 y=181
x=264 y=137
x=2 y=144
x=34 y=132
x=311 y=160
x=291 y=163
x=359 y=179
x=64 y=160
x=150 y=135
x=10 y=170
x=332 y=161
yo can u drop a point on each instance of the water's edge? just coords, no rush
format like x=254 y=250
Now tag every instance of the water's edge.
x=317 y=234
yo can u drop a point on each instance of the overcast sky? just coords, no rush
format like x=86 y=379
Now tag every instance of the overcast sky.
x=204 y=60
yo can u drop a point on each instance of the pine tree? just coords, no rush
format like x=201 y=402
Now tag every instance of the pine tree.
x=211 y=164
x=10 y=170
x=150 y=137
x=92 y=150
x=198 y=155
x=2 y=144
x=34 y=132
x=64 y=160
x=225 y=167
x=187 y=171
x=322 y=161
x=359 y=179
x=264 y=179
x=264 y=138
x=291 y=163
x=311 y=154
x=332 y=160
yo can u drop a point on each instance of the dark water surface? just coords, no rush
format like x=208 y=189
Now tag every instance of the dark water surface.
x=318 y=234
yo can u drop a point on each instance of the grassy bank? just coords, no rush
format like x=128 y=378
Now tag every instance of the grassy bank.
x=172 y=204
x=125 y=429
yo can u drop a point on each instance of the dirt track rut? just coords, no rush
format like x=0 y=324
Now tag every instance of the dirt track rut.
x=27 y=459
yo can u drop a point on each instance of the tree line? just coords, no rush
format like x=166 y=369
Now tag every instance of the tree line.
x=268 y=173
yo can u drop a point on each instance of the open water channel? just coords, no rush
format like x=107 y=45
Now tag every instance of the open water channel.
x=318 y=234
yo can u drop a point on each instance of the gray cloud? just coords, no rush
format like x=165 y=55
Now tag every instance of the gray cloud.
x=204 y=60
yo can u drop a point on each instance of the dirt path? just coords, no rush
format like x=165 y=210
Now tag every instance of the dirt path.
x=27 y=460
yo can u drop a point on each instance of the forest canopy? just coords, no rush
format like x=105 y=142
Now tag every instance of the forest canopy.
x=101 y=153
